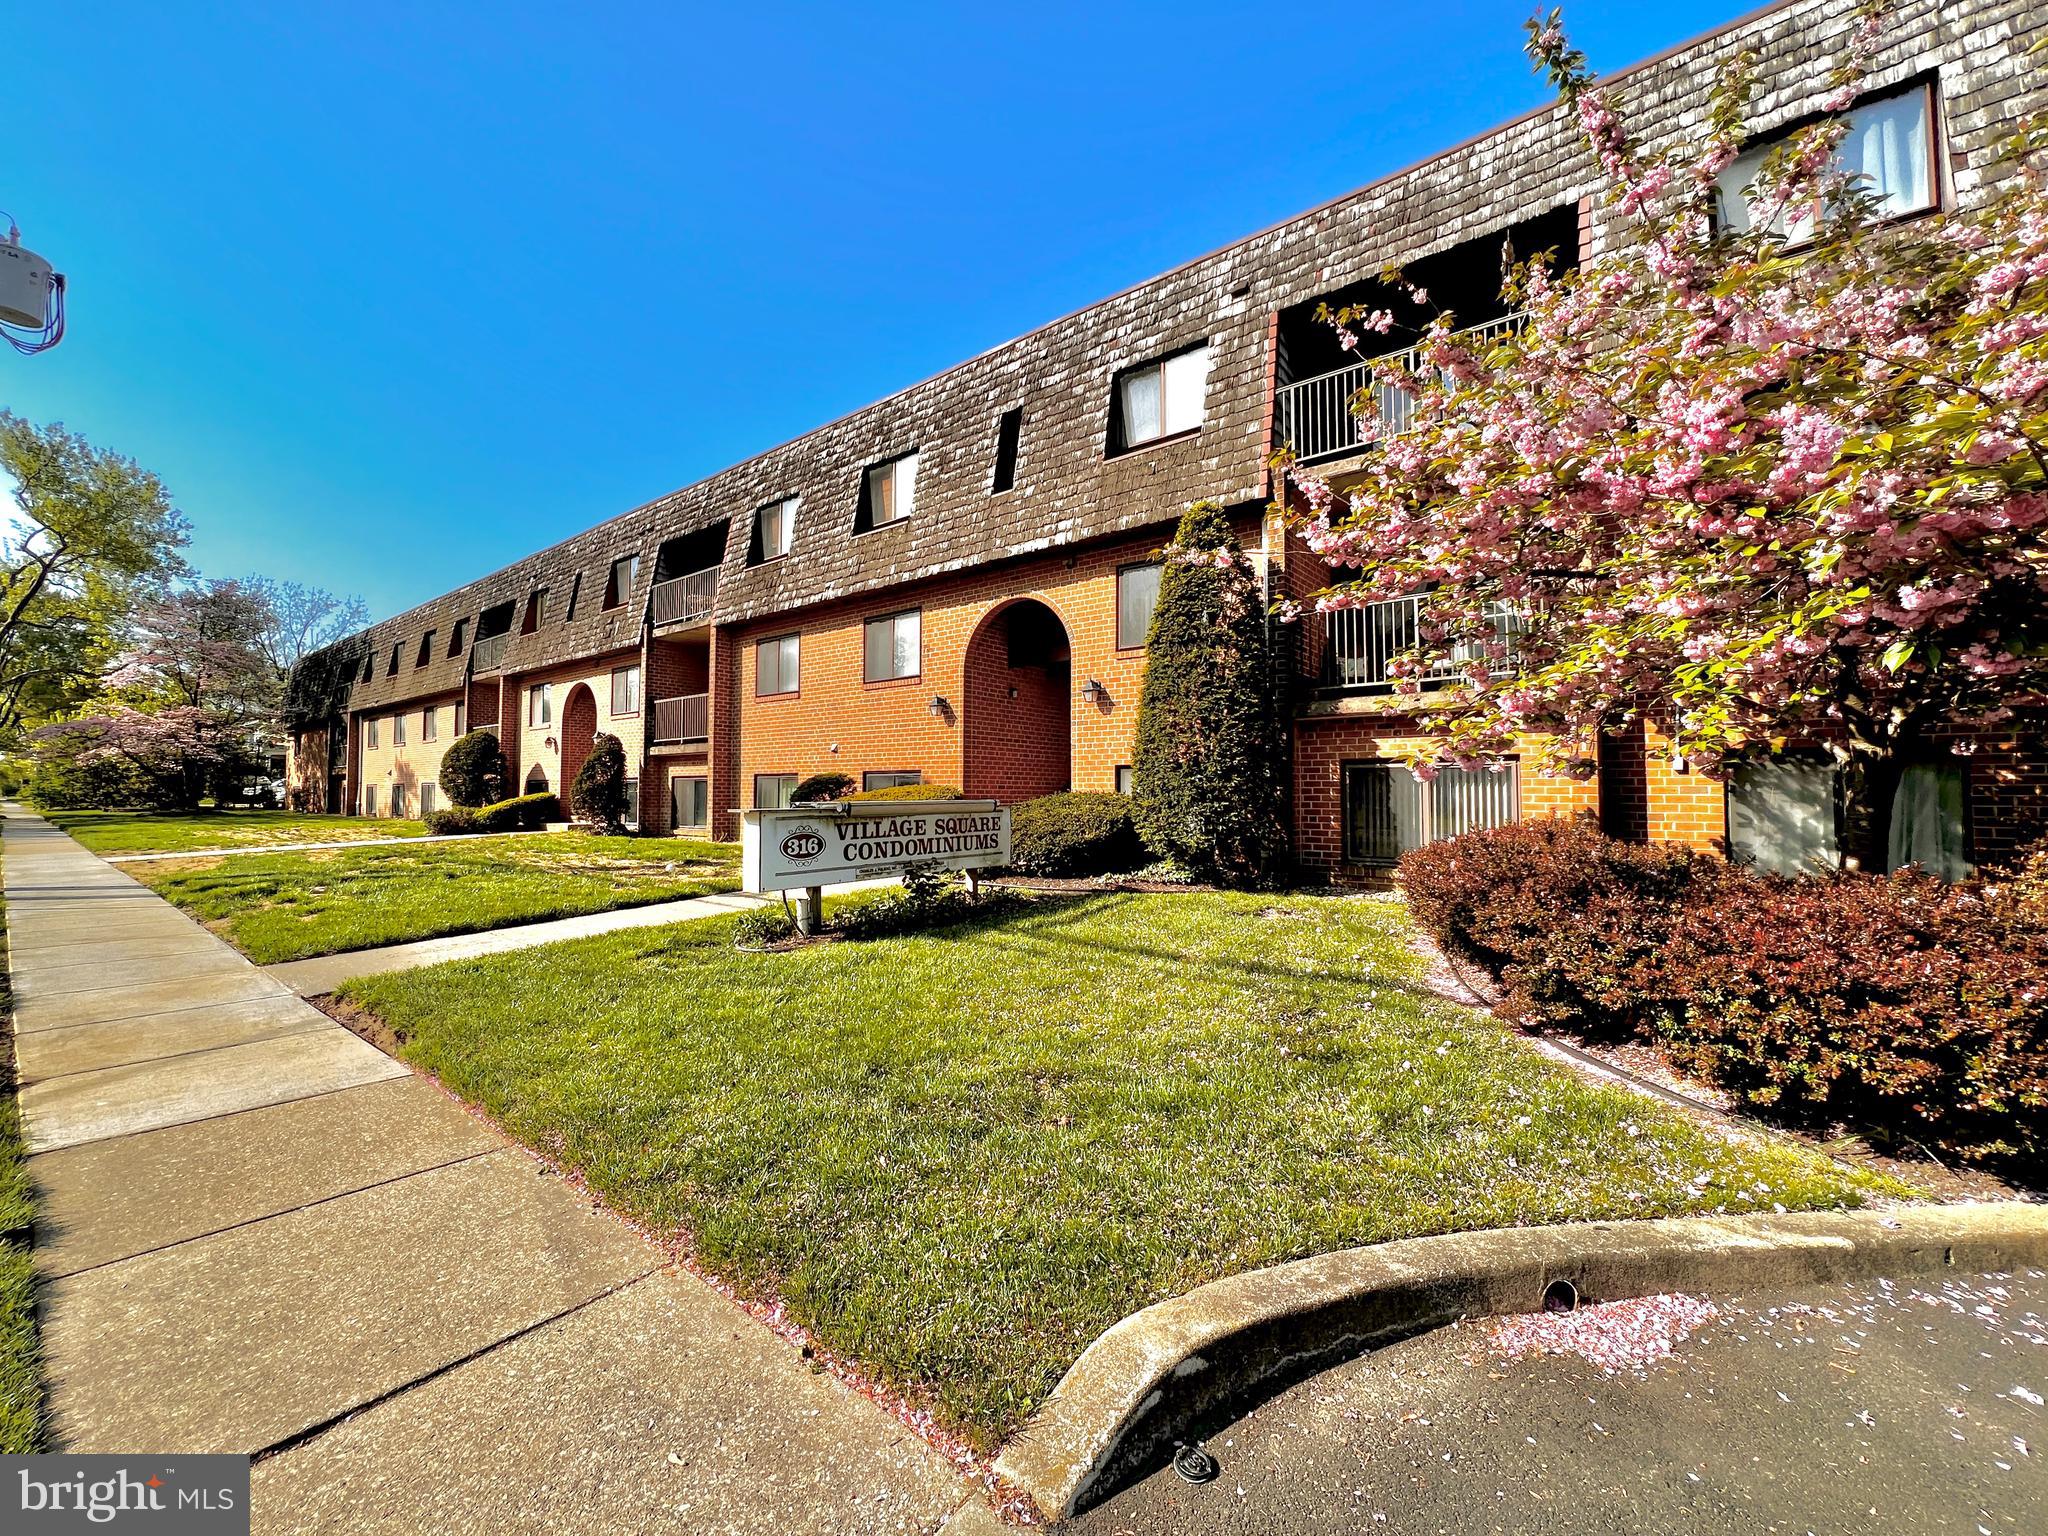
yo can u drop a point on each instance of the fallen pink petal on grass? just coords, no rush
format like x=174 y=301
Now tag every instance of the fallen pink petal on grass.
x=1627 y=1335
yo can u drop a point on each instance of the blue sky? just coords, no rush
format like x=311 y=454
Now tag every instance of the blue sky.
x=391 y=296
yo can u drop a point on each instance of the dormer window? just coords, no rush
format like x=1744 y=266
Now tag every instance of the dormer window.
x=426 y=652
x=1159 y=400
x=457 y=637
x=774 y=531
x=392 y=670
x=888 y=493
x=1888 y=146
x=575 y=596
x=618 y=585
x=536 y=611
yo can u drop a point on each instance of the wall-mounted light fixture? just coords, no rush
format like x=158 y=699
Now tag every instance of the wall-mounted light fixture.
x=1092 y=691
x=550 y=743
x=938 y=706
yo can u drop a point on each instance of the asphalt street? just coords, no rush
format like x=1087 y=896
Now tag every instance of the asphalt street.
x=1909 y=1406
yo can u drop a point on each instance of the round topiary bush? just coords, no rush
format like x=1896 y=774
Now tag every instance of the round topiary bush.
x=473 y=770
x=830 y=785
x=1085 y=832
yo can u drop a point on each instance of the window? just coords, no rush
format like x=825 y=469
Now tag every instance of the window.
x=369 y=667
x=1137 y=594
x=398 y=730
x=890 y=779
x=426 y=652
x=398 y=799
x=540 y=704
x=392 y=670
x=1162 y=399
x=1126 y=779
x=1928 y=821
x=626 y=690
x=1781 y=813
x=536 y=611
x=461 y=716
x=775 y=665
x=892 y=646
x=370 y=733
x=369 y=799
x=1009 y=430
x=687 y=806
x=632 y=816
x=774 y=530
x=536 y=780
x=428 y=795
x=456 y=637
x=888 y=493
x=430 y=724
x=772 y=790
x=1389 y=812
x=618 y=585
x=575 y=596
x=1889 y=144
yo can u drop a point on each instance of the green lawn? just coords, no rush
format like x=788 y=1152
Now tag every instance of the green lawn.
x=182 y=832
x=21 y=1392
x=286 y=906
x=960 y=1156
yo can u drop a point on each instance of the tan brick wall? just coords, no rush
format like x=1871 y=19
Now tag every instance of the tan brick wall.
x=526 y=743
x=414 y=765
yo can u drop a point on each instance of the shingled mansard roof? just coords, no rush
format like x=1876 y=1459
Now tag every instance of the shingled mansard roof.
x=1068 y=489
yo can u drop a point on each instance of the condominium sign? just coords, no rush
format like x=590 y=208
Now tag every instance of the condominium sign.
x=809 y=845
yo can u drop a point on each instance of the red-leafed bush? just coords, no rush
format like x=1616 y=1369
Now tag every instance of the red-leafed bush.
x=1916 y=1008
x=1571 y=925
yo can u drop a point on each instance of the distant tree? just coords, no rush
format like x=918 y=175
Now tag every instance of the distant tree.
x=473 y=770
x=599 y=792
x=92 y=535
x=301 y=620
x=1211 y=750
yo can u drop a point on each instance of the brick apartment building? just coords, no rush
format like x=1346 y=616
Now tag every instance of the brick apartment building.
x=953 y=584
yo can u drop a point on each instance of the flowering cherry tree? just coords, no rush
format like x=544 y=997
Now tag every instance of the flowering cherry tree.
x=1752 y=484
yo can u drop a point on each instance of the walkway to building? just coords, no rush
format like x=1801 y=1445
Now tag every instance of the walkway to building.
x=256 y=1233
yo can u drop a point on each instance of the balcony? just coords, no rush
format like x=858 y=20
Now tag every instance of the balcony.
x=488 y=654
x=1363 y=643
x=686 y=599
x=1315 y=418
x=682 y=719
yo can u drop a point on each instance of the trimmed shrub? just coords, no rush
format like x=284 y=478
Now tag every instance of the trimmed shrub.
x=1570 y=924
x=452 y=820
x=1086 y=832
x=1211 y=754
x=599 y=794
x=522 y=813
x=909 y=792
x=472 y=770
x=1914 y=1008
x=821 y=786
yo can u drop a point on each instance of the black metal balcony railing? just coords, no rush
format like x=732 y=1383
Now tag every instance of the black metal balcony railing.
x=684 y=718
x=1315 y=417
x=686 y=599
x=488 y=654
x=1364 y=642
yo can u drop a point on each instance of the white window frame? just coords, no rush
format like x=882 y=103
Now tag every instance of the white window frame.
x=1179 y=389
x=398 y=728
x=370 y=734
x=1157 y=570
x=787 y=654
x=540 y=704
x=895 y=621
x=890 y=778
x=892 y=482
x=789 y=782
x=430 y=723
x=1433 y=820
x=675 y=804
x=783 y=513
x=1797 y=225
x=631 y=674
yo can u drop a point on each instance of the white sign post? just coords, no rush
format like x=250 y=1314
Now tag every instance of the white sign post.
x=808 y=847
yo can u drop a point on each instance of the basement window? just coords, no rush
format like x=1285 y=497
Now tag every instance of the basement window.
x=890 y=778
x=1009 y=431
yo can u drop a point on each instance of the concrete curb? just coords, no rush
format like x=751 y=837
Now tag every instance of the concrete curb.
x=1164 y=1368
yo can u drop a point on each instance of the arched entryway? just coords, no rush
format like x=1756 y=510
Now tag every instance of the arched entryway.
x=579 y=724
x=1017 y=705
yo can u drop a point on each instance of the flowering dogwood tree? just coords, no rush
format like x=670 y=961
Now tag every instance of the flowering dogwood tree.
x=1787 y=481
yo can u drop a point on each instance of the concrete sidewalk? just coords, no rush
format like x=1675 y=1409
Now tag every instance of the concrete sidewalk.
x=323 y=973
x=256 y=1233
